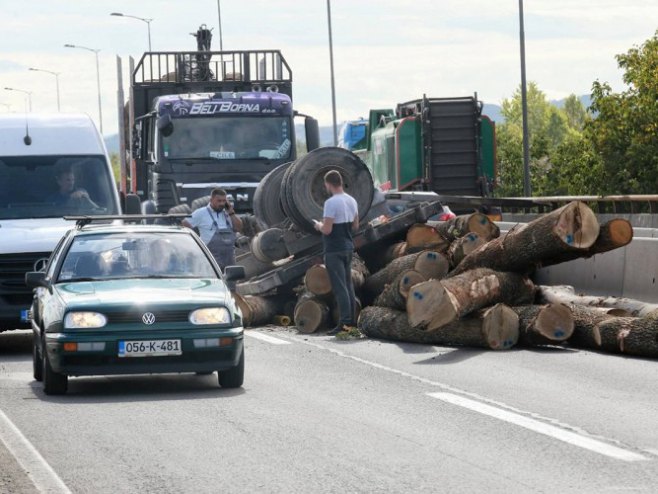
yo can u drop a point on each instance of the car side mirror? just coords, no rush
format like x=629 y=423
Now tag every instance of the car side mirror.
x=36 y=279
x=165 y=125
x=234 y=273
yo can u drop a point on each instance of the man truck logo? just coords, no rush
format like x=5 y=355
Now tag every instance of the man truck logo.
x=224 y=107
x=238 y=197
x=40 y=264
x=148 y=318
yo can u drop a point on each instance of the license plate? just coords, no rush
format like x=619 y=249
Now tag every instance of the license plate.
x=150 y=348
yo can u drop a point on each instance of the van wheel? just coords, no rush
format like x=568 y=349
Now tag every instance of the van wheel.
x=54 y=383
x=233 y=378
x=37 y=365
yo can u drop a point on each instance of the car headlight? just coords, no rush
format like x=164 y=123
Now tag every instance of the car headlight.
x=213 y=315
x=84 y=320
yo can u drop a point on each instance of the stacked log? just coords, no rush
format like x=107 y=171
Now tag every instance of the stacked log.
x=424 y=237
x=463 y=246
x=567 y=295
x=395 y=294
x=544 y=324
x=459 y=226
x=256 y=310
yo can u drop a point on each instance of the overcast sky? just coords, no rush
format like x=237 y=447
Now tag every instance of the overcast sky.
x=386 y=51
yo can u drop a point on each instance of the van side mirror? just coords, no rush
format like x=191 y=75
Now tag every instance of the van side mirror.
x=165 y=125
x=312 y=133
x=36 y=279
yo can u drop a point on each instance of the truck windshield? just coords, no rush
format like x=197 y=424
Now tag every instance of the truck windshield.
x=229 y=138
x=54 y=186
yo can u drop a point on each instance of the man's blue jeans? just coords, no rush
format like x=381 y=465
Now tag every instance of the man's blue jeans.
x=339 y=266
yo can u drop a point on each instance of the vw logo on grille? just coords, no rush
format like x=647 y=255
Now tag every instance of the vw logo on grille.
x=148 y=318
x=40 y=264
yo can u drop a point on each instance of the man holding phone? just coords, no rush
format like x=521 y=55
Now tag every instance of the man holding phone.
x=217 y=224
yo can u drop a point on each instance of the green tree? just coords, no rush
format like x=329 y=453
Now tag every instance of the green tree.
x=625 y=130
x=575 y=113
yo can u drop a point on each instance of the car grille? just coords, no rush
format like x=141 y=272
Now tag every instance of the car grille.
x=161 y=316
x=12 y=273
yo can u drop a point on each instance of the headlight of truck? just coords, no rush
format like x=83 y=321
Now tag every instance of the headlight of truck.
x=84 y=320
x=213 y=315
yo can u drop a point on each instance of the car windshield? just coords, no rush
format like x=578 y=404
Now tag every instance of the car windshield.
x=229 y=138
x=135 y=255
x=54 y=186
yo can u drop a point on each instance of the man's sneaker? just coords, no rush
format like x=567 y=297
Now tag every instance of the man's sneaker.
x=335 y=331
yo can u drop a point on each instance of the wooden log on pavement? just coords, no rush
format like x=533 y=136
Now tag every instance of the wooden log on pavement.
x=395 y=294
x=422 y=237
x=614 y=234
x=459 y=226
x=586 y=332
x=544 y=324
x=463 y=246
x=256 y=310
x=335 y=312
x=311 y=315
x=571 y=228
x=435 y=303
x=496 y=328
x=431 y=264
x=565 y=294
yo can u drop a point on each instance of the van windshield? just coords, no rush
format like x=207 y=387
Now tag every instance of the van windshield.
x=55 y=186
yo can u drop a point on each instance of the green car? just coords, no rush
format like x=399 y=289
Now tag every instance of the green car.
x=134 y=299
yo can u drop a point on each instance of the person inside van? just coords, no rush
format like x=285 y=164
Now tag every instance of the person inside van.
x=68 y=193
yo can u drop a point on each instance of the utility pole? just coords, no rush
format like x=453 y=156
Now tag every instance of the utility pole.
x=219 y=18
x=527 y=188
x=331 y=67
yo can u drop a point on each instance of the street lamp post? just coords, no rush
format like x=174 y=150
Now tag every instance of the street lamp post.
x=56 y=74
x=143 y=19
x=28 y=93
x=527 y=188
x=98 y=80
x=331 y=68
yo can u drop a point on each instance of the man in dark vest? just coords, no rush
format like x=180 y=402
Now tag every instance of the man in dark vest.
x=340 y=219
x=217 y=224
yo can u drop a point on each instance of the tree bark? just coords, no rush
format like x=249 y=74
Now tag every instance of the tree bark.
x=394 y=251
x=572 y=228
x=433 y=304
x=459 y=226
x=566 y=295
x=423 y=237
x=431 y=264
x=311 y=314
x=544 y=324
x=586 y=332
x=463 y=246
x=395 y=294
x=256 y=310
x=614 y=234
x=495 y=328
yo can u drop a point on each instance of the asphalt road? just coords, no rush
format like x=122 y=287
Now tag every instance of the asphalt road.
x=319 y=415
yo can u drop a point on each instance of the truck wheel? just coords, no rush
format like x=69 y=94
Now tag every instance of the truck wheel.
x=37 y=365
x=200 y=202
x=267 y=198
x=54 y=383
x=180 y=209
x=233 y=378
x=305 y=189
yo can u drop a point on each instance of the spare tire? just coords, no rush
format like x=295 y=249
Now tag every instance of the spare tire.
x=304 y=192
x=199 y=202
x=267 y=198
x=180 y=209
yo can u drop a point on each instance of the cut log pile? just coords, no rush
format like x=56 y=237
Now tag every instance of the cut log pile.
x=486 y=299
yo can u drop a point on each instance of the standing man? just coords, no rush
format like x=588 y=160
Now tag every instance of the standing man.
x=217 y=224
x=340 y=219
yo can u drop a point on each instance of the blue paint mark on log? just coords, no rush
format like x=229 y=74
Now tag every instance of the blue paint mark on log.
x=559 y=334
x=569 y=239
x=418 y=296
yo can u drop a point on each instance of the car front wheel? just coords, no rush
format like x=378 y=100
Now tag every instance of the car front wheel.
x=233 y=378
x=54 y=383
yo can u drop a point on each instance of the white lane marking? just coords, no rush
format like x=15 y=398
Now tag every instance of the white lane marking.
x=38 y=470
x=447 y=387
x=267 y=338
x=540 y=427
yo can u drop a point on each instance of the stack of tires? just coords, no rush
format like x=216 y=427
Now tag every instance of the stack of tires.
x=296 y=190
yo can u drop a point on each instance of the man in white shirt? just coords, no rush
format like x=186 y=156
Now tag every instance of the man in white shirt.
x=217 y=224
x=340 y=219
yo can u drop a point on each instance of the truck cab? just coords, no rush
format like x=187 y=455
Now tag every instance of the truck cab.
x=219 y=119
x=51 y=165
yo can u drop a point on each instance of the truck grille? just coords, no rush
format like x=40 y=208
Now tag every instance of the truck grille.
x=13 y=268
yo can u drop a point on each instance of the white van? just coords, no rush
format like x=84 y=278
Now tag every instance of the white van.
x=51 y=165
